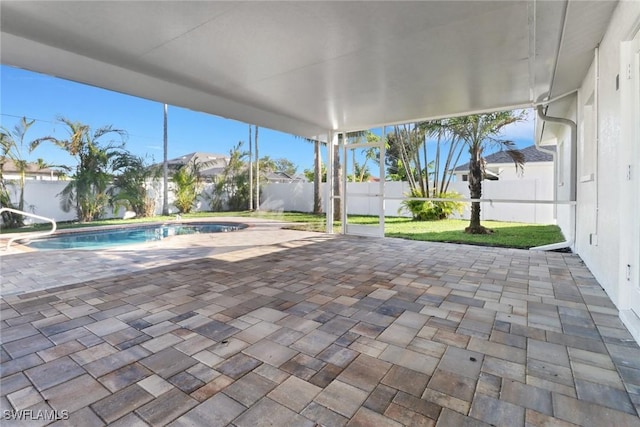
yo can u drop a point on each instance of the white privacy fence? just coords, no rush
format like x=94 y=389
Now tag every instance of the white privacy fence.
x=299 y=197
x=41 y=198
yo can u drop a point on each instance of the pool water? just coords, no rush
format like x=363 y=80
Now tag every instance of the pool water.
x=126 y=236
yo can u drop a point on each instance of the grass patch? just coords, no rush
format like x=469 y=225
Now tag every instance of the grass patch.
x=506 y=234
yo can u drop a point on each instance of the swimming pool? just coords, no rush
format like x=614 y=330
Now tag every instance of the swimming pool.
x=102 y=239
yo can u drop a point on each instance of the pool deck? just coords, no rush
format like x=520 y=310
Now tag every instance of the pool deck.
x=266 y=326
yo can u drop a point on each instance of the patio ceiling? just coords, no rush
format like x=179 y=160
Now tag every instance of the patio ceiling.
x=308 y=67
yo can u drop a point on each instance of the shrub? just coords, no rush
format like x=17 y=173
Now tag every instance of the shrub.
x=427 y=210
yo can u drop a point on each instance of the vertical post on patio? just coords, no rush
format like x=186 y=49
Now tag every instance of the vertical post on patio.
x=255 y=137
x=343 y=181
x=250 y=172
x=165 y=169
x=331 y=141
x=383 y=154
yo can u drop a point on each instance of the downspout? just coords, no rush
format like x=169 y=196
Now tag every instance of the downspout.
x=596 y=61
x=572 y=182
x=553 y=154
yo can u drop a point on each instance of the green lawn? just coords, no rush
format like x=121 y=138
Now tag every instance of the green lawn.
x=506 y=234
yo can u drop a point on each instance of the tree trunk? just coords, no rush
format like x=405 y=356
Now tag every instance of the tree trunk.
x=424 y=190
x=475 y=191
x=436 y=167
x=403 y=157
x=21 y=201
x=317 y=178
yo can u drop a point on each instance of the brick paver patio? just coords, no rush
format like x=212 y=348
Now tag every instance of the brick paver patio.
x=311 y=329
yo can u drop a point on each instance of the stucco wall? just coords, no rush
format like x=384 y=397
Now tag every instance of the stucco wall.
x=604 y=223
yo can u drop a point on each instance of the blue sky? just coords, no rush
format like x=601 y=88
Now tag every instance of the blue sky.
x=45 y=98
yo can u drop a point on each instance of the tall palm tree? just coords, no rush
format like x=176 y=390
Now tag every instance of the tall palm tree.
x=87 y=189
x=12 y=146
x=442 y=173
x=478 y=132
x=130 y=184
x=187 y=180
x=403 y=156
x=317 y=175
x=12 y=149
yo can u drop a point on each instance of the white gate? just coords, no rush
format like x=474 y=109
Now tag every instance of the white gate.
x=373 y=196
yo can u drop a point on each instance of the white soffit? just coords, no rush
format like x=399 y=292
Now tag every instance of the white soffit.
x=309 y=67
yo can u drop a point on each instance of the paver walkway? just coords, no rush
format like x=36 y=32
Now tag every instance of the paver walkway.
x=326 y=330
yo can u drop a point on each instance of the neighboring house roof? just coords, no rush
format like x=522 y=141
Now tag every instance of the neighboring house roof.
x=212 y=163
x=9 y=167
x=283 y=177
x=531 y=155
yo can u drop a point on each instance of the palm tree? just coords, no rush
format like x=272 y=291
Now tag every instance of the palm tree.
x=403 y=157
x=317 y=177
x=12 y=146
x=337 y=171
x=87 y=190
x=187 y=182
x=130 y=184
x=234 y=183
x=478 y=132
x=318 y=174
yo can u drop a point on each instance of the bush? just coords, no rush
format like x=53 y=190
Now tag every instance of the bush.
x=427 y=210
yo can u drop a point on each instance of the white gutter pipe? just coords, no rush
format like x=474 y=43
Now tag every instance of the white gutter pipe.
x=572 y=184
x=574 y=144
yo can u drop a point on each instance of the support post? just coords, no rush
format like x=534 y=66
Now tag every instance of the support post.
x=383 y=154
x=331 y=141
x=343 y=184
x=165 y=168
x=250 y=172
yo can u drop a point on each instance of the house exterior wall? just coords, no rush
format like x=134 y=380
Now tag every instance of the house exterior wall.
x=565 y=213
x=604 y=231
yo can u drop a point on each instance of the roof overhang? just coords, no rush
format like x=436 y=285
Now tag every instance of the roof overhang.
x=310 y=67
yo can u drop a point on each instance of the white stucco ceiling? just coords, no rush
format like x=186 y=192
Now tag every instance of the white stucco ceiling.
x=309 y=67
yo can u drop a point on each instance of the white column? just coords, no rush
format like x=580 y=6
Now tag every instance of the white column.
x=383 y=149
x=331 y=141
x=343 y=184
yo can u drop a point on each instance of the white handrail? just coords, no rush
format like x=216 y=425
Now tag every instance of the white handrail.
x=31 y=236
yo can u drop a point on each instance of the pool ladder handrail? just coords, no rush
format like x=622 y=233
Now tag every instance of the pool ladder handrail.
x=31 y=236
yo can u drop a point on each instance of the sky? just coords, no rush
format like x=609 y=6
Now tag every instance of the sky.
x=45 y=98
